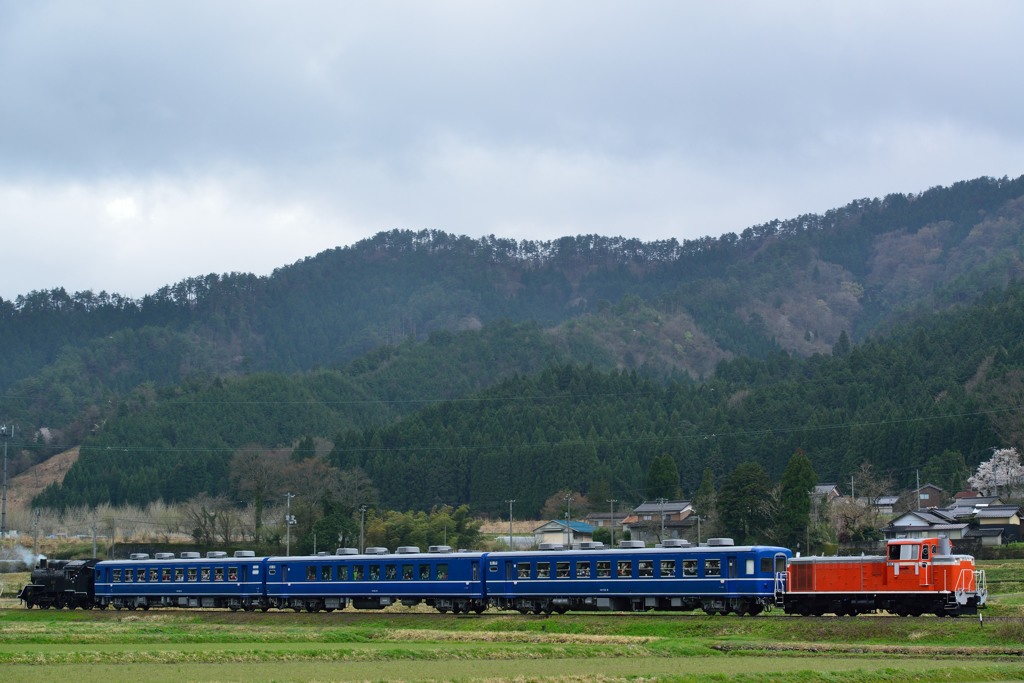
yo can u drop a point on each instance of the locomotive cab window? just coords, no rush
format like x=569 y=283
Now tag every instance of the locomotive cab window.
x=924 y=552
x=904 y=551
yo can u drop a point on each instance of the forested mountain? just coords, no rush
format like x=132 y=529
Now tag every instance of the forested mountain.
x=343 y=344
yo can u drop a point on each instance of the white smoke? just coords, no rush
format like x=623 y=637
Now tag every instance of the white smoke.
x=18 y=558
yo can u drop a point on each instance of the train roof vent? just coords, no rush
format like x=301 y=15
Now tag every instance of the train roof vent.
x=164 y=556
x=675 y=543
x=591 y=545
x=245 y=553
x=347 y=551
x=718 y=542
x=139 y=556
x=551 y=546
x=377 y=551
x=216 y=554
x=632 y=544
x=189 y=555
x=439 y=549
x=407 y=549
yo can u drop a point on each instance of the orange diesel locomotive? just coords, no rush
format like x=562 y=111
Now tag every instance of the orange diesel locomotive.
x=914 y=577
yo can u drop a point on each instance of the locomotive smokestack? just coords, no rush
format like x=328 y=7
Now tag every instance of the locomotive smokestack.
x=945 y=547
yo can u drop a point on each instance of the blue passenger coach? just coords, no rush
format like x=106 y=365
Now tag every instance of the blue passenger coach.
x=216 y=580
x=720 y=578
x=445 y=580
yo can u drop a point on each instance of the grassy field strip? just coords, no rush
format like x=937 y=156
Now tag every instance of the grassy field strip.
x=669 y=670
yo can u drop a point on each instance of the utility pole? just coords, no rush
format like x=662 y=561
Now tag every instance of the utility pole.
x=611 y=518
x=288 y=521
x=661 y=503
x=5 y=433
x=362 y=526
x=510 y=501
x=568 y=519
x=35 y=533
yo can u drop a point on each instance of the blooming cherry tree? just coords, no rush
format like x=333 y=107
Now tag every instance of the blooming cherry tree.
x=1001 y=475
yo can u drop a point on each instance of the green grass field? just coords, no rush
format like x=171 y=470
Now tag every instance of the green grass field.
x=348 y=646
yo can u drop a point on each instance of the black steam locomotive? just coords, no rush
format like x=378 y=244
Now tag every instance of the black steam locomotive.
x=61 y=583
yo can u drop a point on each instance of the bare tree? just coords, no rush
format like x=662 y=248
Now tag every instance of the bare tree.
x=256 y=474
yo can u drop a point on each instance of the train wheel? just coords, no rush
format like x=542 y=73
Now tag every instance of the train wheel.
x=479 y=609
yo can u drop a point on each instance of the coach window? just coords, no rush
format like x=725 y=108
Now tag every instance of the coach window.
x=357 y=572
x=204 y=574
x=424 y=572
x=689 y=567
x=562 y=570
x=311 y=573
x=179 y=574
x=165 y=574
x=766 y=565
x=191 y=573
x=407 y=572
x=154 y=575
x=523 y=570
x=442 y=572
x=604 y=569
x=645 y=569
x=232 y=573
x=140 y=575
x=116 y=578
x=668 y=569
x=374 y=574
x=342 y=573
x=218 y=573
x=391 y=572
x=624 y=569
x=583 y=570
x=750 y=567
x=543 y=570
x=712 y=568
x=325 y=572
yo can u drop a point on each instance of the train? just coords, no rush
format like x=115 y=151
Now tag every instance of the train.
x=913 y=577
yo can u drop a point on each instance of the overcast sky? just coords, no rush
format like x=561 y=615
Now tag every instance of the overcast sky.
x=145 y=142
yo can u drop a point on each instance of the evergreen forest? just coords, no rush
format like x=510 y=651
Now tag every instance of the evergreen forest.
x=452 y=371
